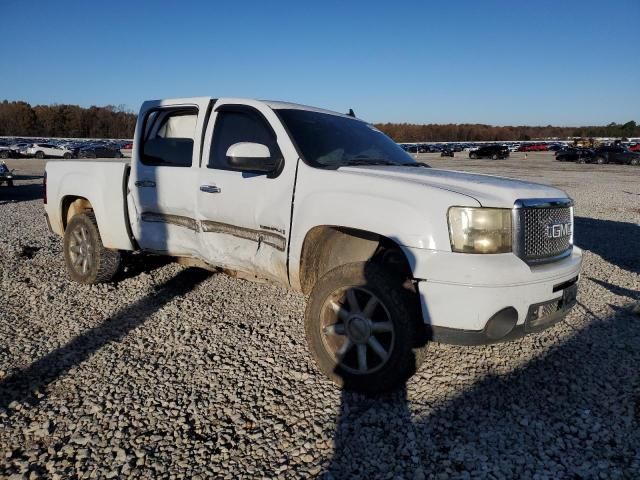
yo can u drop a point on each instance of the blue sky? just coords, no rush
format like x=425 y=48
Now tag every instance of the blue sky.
x=497 y=62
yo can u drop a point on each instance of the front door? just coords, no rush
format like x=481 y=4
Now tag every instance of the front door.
x=244 y=216
x=165 y=164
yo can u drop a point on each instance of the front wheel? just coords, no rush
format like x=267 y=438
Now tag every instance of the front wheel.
x=40 y=155
x=600 y=160
x=473 y=156
x=4 y=154
x=494 y=157
x=634 y=161
x=67 y=156
x=360 y=328
x=86 y=258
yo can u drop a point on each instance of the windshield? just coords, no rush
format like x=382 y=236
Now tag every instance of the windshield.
x=331 y=141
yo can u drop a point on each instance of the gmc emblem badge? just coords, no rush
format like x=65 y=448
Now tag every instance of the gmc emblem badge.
x=557 y=230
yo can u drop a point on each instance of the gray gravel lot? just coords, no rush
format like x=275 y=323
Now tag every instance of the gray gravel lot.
x=178 y=373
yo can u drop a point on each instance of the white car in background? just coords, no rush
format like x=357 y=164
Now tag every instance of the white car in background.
x=48 y=150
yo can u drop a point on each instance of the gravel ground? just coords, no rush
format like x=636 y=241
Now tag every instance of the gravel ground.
x=178 y=373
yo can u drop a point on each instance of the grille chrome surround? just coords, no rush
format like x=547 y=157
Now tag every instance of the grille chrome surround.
x=532 y=219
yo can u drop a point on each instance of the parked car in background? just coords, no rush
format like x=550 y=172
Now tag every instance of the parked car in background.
x=446 y=152
x=635 y=148
x=580 y=155
x=17 y=149
x=615 y=154
x=533 y=147
x=490 y=151
x=6 y=175
x=99 y=151
x=48 y=150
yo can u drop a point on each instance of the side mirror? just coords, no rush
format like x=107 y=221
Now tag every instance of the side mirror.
x=251 y=157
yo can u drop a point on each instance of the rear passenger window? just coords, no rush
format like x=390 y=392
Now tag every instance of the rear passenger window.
x=239 y=126
x=169 y=137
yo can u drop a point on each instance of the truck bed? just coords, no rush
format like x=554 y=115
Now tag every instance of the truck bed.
x=103 y=182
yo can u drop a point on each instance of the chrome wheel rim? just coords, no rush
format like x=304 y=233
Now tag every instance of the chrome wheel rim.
x=80 y=249
x=356 y=330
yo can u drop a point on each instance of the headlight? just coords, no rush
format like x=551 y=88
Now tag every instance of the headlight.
x=480 y=230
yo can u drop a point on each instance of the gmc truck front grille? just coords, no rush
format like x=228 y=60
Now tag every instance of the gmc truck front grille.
x=543 y=229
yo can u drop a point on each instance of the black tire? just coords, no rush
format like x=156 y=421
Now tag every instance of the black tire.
x=4 y=153
x=473 y=155
x=634 y=161
x=600 y=160
x=494 y=157
x=82 y=241
x=67 y=156
x=398 y=333
x=40 y=155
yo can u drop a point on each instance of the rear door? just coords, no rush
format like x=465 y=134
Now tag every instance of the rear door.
x=621 y=155
x=245 y=217
x=163 y=181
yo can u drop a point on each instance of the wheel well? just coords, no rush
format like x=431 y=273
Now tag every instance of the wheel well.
x=71 y=206
x=327 y=247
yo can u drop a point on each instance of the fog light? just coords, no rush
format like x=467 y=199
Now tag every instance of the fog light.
x=501 y=323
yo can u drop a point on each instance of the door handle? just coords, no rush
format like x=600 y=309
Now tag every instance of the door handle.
x=145 y=183
x=210 y=189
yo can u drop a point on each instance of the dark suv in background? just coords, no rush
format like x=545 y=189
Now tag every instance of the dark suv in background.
x=490 y=151
x=570 y=154
x=615 y=154
x=99 y=151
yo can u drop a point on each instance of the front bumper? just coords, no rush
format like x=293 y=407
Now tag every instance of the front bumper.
x=460 y=293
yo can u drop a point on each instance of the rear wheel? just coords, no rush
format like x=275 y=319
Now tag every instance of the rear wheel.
x=473 y=155
x=494 y=157
x=40 y=155
x=634 y=161
x=360 y=328
x=600 y=160
x=86 y=258
x=4 y=154
x=67 y=155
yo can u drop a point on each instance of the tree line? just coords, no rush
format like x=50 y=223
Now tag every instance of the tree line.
x=408 y=132
x=72 y=121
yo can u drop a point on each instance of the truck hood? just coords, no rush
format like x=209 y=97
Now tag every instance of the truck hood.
x=488 y=190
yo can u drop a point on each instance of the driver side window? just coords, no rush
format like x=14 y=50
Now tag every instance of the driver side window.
x=233 y=126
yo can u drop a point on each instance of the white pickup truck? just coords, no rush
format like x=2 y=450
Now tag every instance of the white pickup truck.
x=392 y=253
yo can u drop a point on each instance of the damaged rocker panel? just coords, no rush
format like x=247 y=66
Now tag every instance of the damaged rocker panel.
x=276 y=241
x=272 y=239
x=178 y=220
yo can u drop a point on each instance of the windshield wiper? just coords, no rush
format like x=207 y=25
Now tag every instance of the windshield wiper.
x=370 y=161
x=417 y=164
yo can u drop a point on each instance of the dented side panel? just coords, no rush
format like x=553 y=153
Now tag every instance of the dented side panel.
x=245 y=223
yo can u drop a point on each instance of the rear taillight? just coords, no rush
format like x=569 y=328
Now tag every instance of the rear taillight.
x=44 y=188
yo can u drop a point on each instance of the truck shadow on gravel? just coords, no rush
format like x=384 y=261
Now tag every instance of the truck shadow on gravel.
x=20 y=192
x=611 y=240
x=572 y=412
x=21 y=386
